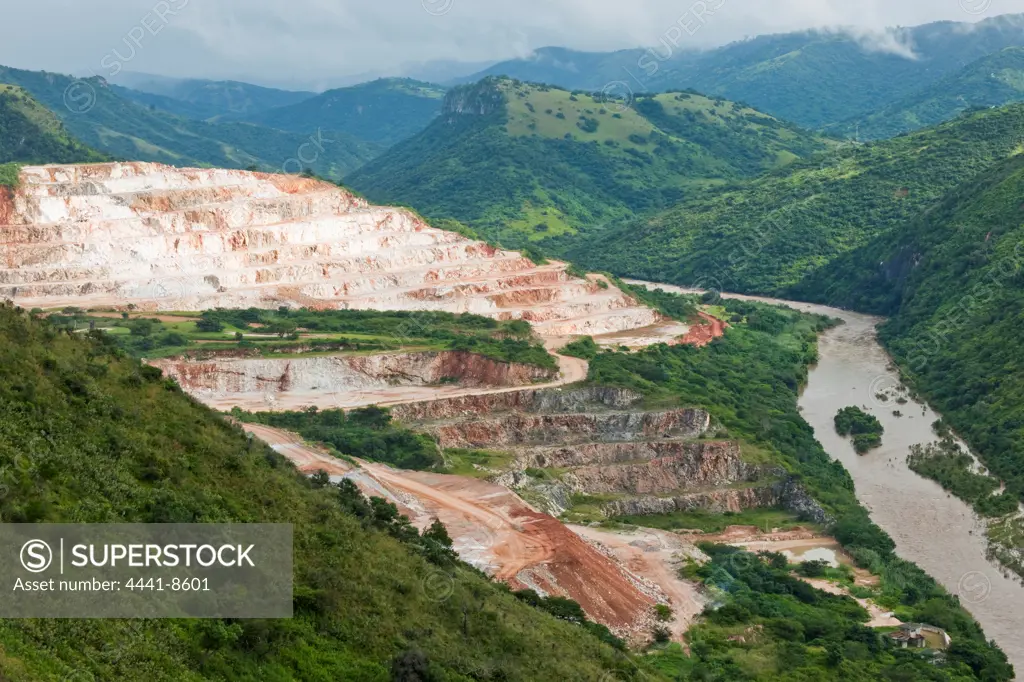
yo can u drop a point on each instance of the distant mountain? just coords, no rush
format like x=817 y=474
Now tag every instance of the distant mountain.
x=522 y=163
x=31 y=134
x=778 y=233
x=382 y=112
x=95 y=114
x=570 y=69
x=203 y=99
x=991 y=81
x=444 y=72
x=813 y=78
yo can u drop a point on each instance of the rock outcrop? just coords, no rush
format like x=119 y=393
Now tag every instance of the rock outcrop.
x=224 y=382
x=163 y=238
x=682 y=466
x=785 y=494
x=582 y=399
x=599 y=442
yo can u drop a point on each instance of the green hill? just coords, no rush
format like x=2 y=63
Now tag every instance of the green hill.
x=91 y=436
x=381 y=112
x=31 y=134
x=813 y=78
x=520 y=162
x=992 y=81
x=773 y=233
x=205 y=99
x=94 y=113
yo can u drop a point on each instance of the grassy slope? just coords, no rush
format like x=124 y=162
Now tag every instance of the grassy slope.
x=771 y=235
x=992 y=81
x=29 y=134
x=382 y=112
x=125 y=129
x=521 y=162
x=87 y=437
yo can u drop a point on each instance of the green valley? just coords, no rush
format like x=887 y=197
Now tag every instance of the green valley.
x=815 y=78
x=94 y=113
x=992 y=81
x=382 y=112
x=772 y=235
x=522 y=163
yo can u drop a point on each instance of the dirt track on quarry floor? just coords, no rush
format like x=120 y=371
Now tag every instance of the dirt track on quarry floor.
x=493 y=529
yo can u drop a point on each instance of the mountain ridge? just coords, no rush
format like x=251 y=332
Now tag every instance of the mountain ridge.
x=524 y=163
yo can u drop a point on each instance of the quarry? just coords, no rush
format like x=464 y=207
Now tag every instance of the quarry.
x=137 y=238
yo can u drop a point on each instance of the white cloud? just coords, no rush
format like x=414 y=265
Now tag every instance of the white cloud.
x=323 y=41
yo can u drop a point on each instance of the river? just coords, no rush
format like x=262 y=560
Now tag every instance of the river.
x=931 y=528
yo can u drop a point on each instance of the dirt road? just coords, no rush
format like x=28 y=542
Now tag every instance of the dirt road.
x=492 y=529
x=306 y=458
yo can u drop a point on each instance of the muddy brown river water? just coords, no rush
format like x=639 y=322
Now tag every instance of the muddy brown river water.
x=933 y=529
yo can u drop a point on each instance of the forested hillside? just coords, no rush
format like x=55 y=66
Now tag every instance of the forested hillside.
x=96 y=115
x=992 y=81
x=952 y=280
x=749 y=381
x=772 y=234
x=31 y=134
x=381 y=112
x=524 y=163
x=205 y=99
x=812 y=78
x=91 y=436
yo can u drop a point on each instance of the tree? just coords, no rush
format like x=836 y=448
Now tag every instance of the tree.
x=210 y=325
x=411 y=665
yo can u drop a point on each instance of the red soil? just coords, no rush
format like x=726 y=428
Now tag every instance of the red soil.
x=703 y=334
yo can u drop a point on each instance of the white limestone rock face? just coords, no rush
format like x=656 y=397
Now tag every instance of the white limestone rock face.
x=163 y=238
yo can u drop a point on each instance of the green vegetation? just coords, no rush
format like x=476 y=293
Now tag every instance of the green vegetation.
x=813 y=78
x=772 y=235
x=992 y=81
x=523 y=163
x=10 y=174
x=29 y=134
x=953 y=284
x=91 y=436
x=95 y=114
x=865 y=428
x=285 y=331
x=766 y=624
x=707 y=522
x=381 y=112
x=366 y=432
x=583 y=348
x=475 y=463
x=952 y=468
x=749 y=381
x=205 y=99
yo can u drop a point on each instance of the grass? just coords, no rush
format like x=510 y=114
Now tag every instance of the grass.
x=10 y=174
x=475 y=463
x=707 y=522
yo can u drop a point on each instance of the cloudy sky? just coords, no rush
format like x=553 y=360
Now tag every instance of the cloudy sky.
x=307 y=43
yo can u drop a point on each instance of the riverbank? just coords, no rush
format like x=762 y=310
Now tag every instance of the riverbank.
x=930 y=527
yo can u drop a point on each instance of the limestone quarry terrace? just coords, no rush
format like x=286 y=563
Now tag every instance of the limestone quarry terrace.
x=600 y=448
x=160 y=238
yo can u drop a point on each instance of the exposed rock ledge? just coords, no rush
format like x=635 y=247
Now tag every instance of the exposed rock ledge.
x=224 y=377
x=787 y=494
